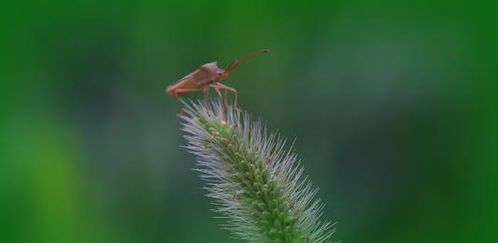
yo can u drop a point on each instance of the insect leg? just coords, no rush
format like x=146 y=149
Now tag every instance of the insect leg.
x=225 y=99
x=228 y=88
x=205 y=90
x=179 y=92
x=180 y=113
x=222 y=108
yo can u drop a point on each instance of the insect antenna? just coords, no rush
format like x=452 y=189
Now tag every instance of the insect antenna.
x=253 y=54
x=243 y=59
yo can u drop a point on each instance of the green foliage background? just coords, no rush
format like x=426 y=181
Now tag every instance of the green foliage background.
x=393 y=104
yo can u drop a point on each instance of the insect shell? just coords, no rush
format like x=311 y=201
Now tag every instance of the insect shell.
x=198 y=79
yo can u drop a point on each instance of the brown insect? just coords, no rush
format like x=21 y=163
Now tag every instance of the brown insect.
x=208 y=76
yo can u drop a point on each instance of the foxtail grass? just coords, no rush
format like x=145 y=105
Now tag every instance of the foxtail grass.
x=257 y=183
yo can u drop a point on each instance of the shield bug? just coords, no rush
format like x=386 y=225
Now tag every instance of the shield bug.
x=208 y=76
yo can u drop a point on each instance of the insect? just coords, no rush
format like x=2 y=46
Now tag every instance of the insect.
x=208 y=76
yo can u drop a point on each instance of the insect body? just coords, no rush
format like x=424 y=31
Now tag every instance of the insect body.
x=208 y=76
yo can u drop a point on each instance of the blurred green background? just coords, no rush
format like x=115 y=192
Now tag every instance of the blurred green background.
x=393 y=106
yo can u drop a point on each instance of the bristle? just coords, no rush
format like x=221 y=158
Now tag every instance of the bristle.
x=257 y=184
